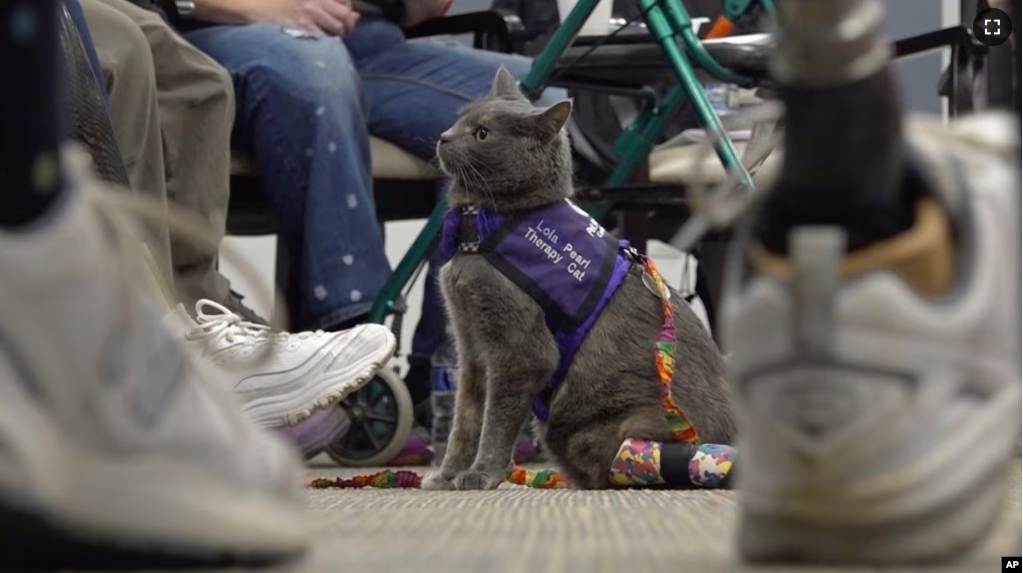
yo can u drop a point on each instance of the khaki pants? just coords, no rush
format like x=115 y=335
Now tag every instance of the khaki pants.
x=172 y=109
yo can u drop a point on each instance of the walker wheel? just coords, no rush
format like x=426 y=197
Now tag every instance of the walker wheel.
x=381 y=414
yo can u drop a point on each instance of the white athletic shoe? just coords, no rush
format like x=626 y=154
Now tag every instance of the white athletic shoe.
x=114 y=449
x=302 y=374
x=878 y=419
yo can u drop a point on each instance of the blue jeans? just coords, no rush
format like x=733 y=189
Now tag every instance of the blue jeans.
x=306 y=107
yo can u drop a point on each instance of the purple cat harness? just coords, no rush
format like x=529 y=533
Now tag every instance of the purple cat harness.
x=557 y=254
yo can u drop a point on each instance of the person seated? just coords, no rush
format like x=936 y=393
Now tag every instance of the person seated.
x=313 y=370
x=118 y=450
x=171 y=109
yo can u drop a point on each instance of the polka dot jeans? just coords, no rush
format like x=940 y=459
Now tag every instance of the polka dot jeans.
x=306 y=107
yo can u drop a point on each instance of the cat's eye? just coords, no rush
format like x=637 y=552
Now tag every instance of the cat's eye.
x=482 y=133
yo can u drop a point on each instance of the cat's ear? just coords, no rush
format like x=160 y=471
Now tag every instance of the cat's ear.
x=550 y=120
x=505 y=84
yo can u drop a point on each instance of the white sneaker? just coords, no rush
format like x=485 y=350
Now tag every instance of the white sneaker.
x=878 y=419
x=303 y=372
x=114 y=449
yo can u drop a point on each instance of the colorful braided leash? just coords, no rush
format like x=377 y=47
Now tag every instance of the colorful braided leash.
x=664 y=357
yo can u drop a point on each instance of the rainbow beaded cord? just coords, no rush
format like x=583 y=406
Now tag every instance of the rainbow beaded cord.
x=543 y=479
x=387 y=479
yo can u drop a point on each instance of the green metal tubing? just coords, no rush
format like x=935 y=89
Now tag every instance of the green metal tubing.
x=635 y=143
x=633 y=146
x=543 y=65
x=677 y=19
x=735 y=9
x=417 y=253
x=664 y=33
x=643 y=142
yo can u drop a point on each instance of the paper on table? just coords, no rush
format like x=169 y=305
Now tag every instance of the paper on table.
x=699 y=136
x=744 y=40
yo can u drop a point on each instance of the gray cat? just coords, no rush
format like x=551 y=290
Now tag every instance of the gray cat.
x=504 y=155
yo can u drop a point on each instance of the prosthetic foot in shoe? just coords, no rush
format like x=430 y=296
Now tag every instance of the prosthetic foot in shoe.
x=879 y=390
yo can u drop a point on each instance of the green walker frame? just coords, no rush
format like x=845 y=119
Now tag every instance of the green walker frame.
x=666 y=20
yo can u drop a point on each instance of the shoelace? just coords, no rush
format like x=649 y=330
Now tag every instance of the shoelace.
x=233 y=328
x=225 y=325
x=120 y=210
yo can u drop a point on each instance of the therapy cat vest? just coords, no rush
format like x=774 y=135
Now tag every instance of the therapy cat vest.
x=557 y=254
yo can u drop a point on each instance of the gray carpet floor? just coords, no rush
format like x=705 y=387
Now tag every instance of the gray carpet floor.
x=517 y=529
x=523 y=530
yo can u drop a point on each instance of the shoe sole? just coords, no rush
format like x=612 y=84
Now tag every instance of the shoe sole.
x=146 y=516
x=31 y=543
x=946 y=533
x=325 y=389
x=65 y=503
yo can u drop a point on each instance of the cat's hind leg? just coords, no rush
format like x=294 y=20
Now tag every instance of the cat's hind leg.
x=464 y=440
x=586 y=454
x=648 y=463
x=612 y=455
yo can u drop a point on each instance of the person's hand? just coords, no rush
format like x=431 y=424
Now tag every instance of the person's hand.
x=324 y=17
x=329 y=17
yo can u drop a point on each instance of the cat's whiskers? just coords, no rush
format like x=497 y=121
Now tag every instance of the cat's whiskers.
x=484 y=185
x=461 y=181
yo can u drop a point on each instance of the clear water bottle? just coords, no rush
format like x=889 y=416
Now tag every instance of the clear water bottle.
x=443 y=379
x=720 y=98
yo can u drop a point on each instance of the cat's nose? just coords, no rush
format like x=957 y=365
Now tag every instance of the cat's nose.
x=447 y=136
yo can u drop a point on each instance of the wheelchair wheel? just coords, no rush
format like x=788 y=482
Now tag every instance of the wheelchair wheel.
x=381 y=414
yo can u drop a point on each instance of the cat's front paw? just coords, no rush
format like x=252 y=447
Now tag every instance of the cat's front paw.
x=478 y=480
x=436 y=481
